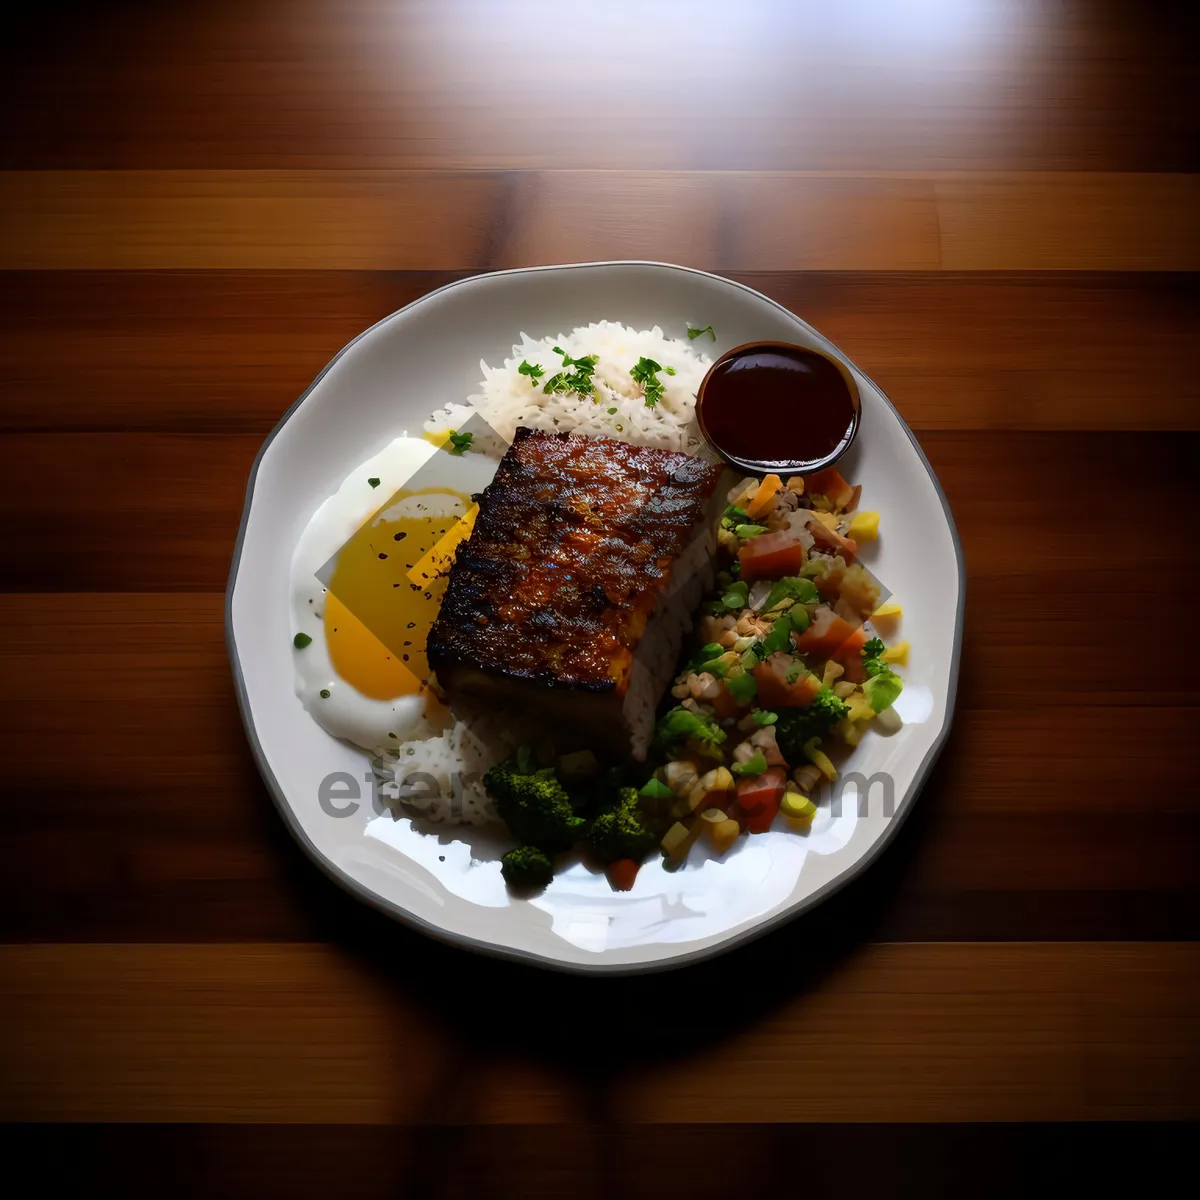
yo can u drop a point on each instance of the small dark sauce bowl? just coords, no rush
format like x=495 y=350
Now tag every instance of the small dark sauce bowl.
x=849 y=401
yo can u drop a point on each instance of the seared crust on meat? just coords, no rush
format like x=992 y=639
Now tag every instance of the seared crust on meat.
x=573 y=544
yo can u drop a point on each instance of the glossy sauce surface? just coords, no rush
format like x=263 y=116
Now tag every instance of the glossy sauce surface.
x=773 y=406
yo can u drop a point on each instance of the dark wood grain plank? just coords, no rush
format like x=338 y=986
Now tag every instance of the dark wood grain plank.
x=160 y=829
x=1024 y=85
x=286 y=1033
x=739 y=220
x=226 y=352
x=603 y=1158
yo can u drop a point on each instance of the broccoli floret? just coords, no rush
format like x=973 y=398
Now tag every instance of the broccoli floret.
x=681 y=724
x=797 y=725
x=526 y=867
x=622 y=831
x=872 y=656
x=534 y=806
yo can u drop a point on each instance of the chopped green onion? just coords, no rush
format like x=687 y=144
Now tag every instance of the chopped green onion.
x=749 y=531
x=324 y=693
x=611 y=411
x=755 y=765
x=737 y=595
x=694 y=332
x=780 y=637
x=764 y=716
x=795 y=670
x=669 y=370
x=655 y=789
x=791 y=587
x=742 y=687
x=373 y=481
x=301 y=640
x=459 y=441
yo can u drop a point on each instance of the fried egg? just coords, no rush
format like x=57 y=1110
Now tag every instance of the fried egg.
x=367 y=578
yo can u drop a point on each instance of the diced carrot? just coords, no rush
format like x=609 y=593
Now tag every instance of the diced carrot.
x=622 y=873
x=775 y=692
x=771 y=555
x=825 y=634
x=759 y=798
x=829 y=482
x=763 y=498
x=832 y=542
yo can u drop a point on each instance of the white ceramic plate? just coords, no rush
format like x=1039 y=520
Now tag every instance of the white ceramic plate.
x=448 y=885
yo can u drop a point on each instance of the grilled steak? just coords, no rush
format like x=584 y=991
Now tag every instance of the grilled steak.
x=575 y=588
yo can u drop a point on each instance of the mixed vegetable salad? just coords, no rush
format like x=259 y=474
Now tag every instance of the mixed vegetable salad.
x=783 y=677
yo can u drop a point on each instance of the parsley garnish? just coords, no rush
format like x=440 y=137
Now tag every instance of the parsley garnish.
x=373 y=481
x=611 y=411
x=533 y=370
x=459 y=441
x=694 y=332
x=301 y=640
x=645 y=371
x=579 y=380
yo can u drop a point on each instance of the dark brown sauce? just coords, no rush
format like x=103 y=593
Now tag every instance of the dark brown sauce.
x=771 y=406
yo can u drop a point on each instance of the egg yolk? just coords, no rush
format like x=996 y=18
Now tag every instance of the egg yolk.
x=386 y=588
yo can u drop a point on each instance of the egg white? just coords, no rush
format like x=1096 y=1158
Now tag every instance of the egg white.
x=346 y=712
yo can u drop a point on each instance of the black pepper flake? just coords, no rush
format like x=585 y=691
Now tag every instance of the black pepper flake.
x=399 y=537
x=405 y=657
x=411 y=625
x=382 y=555
x=392 y=735
x=395 y=585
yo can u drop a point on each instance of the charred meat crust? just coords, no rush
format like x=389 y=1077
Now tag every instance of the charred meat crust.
x=574 y=541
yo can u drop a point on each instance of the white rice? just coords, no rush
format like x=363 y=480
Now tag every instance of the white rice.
x=457 y=757
x=508 y=399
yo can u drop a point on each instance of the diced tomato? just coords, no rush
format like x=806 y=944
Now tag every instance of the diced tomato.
x=825 y=635
x=774 y=755
x=724 y=705
x=771 y=555
x=829 y=482
x=849 y=654
x=759 y=798
x=622 y=873
x=774 y=691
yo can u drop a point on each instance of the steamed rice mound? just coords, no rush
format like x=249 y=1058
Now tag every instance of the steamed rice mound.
x=508 y=399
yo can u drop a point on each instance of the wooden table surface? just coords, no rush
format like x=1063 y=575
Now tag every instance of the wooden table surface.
x=990 y=205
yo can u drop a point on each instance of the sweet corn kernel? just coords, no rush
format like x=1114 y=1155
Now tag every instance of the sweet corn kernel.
x=676 y=840
x=864 y=527
x=897 y=654
x=723 y=834
x=797 y=807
